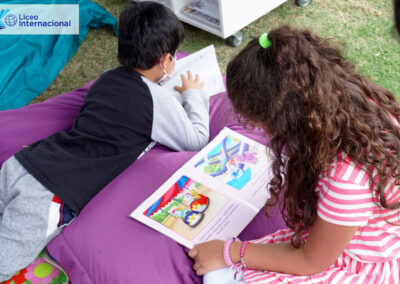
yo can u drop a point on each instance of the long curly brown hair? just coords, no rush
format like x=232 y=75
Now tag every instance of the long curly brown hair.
x=313 y=103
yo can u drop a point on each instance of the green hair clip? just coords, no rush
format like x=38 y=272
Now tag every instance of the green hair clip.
x=264 y=41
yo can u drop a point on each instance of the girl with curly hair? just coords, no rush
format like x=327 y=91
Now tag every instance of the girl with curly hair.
x=337 y=137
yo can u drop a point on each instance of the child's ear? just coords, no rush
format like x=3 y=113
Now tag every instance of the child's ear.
x=164 y=59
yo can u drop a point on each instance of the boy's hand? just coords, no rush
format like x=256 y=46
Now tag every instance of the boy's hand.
x=208 y=256
x=189 y=83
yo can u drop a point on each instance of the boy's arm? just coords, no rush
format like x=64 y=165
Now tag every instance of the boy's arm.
x=180 y=127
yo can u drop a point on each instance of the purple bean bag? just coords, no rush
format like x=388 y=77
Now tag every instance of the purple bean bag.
x=103 y=244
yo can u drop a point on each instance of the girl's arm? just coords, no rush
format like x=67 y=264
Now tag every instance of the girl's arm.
x=325 y=243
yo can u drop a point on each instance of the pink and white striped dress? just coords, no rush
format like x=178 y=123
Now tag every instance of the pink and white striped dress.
x=345 y=198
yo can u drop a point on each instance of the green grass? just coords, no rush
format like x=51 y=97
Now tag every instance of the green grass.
x=364 y=28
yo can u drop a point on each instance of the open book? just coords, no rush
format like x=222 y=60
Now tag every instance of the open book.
x=204 y=63
x=214 y=195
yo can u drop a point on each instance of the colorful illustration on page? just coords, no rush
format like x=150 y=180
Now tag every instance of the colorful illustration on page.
x=232 y=162
x=183 y=202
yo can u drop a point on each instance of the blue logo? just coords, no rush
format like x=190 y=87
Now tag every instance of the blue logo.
x=11 y=20
x=3 y=13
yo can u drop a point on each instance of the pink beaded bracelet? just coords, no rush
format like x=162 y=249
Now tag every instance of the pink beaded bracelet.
x=227 y=257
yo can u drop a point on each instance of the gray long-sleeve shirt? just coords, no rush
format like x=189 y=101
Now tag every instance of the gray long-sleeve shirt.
x=180 y=122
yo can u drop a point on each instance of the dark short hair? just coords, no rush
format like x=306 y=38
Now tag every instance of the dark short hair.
x=147 y=30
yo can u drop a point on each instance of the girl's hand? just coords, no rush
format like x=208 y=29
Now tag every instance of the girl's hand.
x=208 y=256
x=189 y=83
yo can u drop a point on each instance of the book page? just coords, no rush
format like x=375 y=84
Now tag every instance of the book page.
x=214 y=195
x=236 y=164
x=204 y=63
x=191 y=212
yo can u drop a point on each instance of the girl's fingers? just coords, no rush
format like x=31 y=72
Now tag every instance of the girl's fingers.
x=196 y=266
x=200 y=271
x=192 y=253
x=197 y=79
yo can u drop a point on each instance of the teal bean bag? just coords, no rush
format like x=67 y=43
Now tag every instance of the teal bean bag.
x=29 y=63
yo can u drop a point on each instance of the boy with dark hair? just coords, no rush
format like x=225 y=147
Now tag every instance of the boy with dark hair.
x=124 y=113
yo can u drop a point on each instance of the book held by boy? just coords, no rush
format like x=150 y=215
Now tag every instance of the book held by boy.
x=214 y=195
x=204 y=63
